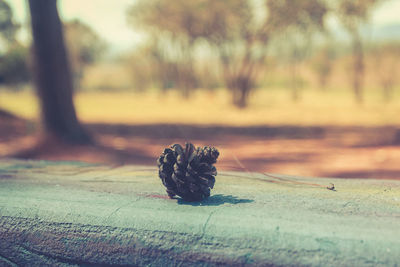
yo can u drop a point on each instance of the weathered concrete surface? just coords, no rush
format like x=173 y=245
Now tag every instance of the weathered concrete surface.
x=74 y=214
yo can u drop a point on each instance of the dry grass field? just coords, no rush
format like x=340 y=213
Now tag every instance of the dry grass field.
x=325 y=134
x=267 y=107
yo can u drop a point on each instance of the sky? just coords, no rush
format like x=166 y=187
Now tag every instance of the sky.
x=108 y=18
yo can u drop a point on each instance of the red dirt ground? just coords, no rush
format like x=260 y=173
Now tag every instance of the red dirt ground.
x=347 y=152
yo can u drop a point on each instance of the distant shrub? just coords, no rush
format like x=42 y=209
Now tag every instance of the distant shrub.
x=14 y=69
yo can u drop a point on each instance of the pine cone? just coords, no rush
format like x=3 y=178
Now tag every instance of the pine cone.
x=188 y=173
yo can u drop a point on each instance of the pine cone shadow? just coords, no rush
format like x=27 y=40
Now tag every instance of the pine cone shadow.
x=216 y=200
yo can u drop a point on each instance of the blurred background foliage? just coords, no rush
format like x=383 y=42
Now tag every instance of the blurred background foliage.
x=233 y=62
x=216 y=45
x=85 y=48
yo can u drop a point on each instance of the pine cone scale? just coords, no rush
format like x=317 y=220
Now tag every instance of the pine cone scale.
x=188 y=172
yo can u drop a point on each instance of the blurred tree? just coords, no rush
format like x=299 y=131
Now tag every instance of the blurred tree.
x=239 y=30
x=14 y=67
x=13 y=56
x=306 y=19
x=293 y=48
x=300 y=46
x=8 y=27
x=386 y=63
x=144 y=66
x=141 y=68
x=353 y=14
x=175 y=28
x=166 y=66
x=84 y=47
x=254 y=32
x=322 y=64
x=52 y=74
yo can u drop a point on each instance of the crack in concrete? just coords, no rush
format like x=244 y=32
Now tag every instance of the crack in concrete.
x=203 y=230
x=120 y=207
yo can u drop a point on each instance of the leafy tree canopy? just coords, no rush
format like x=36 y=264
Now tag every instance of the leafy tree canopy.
x=8 y=27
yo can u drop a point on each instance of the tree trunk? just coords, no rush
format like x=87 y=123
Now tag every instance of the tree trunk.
x=294 y=85
x=323 y=81
x=358 y=70
x=187 y=80
x=387 y=91
x=396 y=140
x=240 y=91
x=52 y=74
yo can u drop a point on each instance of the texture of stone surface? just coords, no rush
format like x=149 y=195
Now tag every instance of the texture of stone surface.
x=76 y=214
